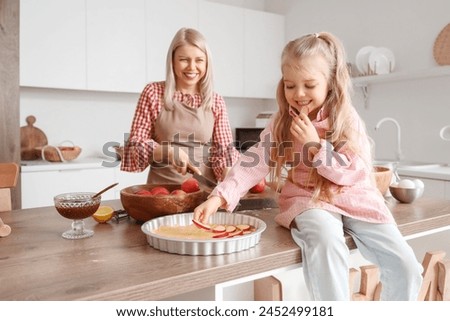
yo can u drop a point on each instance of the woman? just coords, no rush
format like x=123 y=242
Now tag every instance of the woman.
x=181 y=121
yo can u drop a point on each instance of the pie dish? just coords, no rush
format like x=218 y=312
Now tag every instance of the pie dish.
x=203 y=246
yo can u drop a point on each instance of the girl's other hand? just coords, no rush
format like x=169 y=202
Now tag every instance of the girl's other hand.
x=208 y=208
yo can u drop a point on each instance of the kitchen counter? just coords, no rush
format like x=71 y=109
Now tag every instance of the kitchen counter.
x=118 y=264
x=79 y=163
x=440 y=172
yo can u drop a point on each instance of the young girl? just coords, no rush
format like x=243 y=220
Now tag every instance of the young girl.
x=319 y=139
x=181 y=120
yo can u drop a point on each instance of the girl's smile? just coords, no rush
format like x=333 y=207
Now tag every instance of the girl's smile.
x=306 y=85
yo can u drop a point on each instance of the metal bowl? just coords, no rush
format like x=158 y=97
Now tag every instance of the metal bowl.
x=203 y=247
x=406 y=195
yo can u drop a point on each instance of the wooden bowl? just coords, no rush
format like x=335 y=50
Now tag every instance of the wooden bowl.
x=146 y=207
x=383 y=177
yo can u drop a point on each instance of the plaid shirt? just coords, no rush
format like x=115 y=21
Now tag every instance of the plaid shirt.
x=142 y=132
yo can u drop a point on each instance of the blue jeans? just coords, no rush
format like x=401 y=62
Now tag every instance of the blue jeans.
x=320 y=235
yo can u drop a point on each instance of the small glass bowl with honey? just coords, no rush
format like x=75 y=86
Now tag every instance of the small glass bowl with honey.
x=76 y=207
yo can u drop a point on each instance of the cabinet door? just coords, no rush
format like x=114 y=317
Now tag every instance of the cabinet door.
x=53 y=43
x=39 y=188
x=116 y=45
x=223 y=27
x=264 y=41
x=163 y=20
x=447 y=190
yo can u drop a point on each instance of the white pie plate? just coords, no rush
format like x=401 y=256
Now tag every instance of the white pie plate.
x=362 y=59
x=381 y=61
x=203 y=247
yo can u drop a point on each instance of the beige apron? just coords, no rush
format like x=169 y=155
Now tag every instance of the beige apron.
x=186 y=128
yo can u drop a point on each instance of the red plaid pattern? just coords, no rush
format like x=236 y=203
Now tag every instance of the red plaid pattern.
x=139 y=149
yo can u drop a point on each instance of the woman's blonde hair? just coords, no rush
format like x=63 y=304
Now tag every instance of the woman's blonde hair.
x=337 y=105
x=192 y=37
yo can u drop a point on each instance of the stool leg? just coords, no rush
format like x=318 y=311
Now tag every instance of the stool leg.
x=267 y=289
x=429 y=285
x=352 y=274
x=370 y=287
x=443 y=283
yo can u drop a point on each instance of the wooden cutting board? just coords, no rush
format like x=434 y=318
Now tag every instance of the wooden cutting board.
x=441 y=49
x=253 y=201
x=30 y=138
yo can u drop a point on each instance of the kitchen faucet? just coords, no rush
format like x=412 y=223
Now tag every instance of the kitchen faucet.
x=399 y=149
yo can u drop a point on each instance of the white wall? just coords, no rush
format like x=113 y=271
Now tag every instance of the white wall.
x=409 y=29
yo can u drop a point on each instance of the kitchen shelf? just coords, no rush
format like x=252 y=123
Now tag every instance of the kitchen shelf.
x=434 y=72
x=365 y=81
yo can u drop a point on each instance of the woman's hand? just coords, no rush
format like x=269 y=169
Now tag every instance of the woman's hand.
x=208 y=208
x=175 y=157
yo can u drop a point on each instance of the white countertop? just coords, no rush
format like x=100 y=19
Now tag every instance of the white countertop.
x=79 y=163
x=440 y=172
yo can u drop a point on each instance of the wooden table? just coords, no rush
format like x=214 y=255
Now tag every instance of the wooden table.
x=117 y=263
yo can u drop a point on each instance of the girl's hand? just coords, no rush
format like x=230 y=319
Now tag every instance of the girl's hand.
x=208 y=208
x=303 y=130
x=305 y=133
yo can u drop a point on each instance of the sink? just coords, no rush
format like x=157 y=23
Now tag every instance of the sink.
x=408 y=164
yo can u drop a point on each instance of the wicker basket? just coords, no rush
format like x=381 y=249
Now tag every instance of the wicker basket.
x=58 y=153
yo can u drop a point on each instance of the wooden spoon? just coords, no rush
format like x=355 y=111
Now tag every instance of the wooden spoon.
x=104 y=190
x=5 y=230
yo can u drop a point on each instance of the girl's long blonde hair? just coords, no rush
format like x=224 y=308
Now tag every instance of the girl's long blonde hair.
x=188 y=36
x=337 y=105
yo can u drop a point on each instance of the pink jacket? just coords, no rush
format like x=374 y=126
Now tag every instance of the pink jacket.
x=358 y=196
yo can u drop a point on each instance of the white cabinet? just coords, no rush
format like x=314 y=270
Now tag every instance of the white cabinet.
x=223 y=27
x=246 y=47
x=160 y=30
x=447 y=190
x=53 y=43
x=39 y=188
x=116 y=45
x=263 y=44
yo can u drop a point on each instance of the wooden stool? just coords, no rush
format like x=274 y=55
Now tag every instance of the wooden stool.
x=370 y=286
x=436 y=277
x=8 y=179
x=435 y=285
